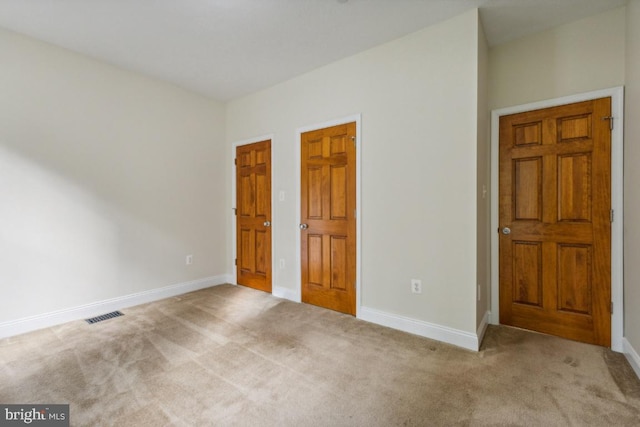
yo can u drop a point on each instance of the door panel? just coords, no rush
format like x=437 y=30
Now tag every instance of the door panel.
x=527 y=268
x=314 y=192
x=528 y=188
x=328 y=202
x=253 y=215
x=574 y=278
x=555 y=198
x=574 y=179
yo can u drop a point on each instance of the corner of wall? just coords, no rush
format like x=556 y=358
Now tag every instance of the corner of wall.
x=483 y=243
x=632 y=356
x=482 y=328
x=631 y=176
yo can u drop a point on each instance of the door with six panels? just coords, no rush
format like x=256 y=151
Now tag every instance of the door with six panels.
x=328 y=218
x=554 y=217
x=253 y=215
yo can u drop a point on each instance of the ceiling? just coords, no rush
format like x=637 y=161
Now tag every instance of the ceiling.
x=225 y=49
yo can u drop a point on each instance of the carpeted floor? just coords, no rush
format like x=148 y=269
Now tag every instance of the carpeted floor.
x=229 y=355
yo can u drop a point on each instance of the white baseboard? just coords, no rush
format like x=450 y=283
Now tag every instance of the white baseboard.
x=221 y=280
x=631 y=355
x=493 y=317
x=286 y=294
x=445 y=334
x=28 y=324
x=482 y=328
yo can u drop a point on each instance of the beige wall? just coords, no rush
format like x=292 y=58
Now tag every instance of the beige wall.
x=108 y=180
x=418 y=100
x=582 y=56
x=632 y=178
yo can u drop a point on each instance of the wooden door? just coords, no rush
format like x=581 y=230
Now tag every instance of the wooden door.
x=253 y=215
x=555 y=198
x=328 y=216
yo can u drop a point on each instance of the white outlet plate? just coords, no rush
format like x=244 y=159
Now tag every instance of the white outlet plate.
x=188 y=260
x=416 y=286
x=281 y=262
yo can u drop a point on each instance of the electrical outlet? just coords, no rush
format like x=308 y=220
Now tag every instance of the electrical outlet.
x=416 y=286
x=188 y=260
x=281 y=262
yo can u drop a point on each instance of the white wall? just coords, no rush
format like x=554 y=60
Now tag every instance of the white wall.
x=483 y=183
x=581 y=56
x=632 y=178
x=418 y=100
x=108 y=179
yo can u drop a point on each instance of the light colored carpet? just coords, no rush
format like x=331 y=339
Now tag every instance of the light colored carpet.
x=229 y=355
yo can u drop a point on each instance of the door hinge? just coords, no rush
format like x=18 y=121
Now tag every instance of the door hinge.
x=355 y=214
x=610 y=118
x=235 y=162
x=611 y=215
x=235 y=262
x=235 y=211
x=353 y=138
x=611 y=308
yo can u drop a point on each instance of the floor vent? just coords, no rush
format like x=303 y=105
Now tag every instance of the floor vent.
x=104 y=317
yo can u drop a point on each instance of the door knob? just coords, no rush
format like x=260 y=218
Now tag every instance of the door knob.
x=506 y=230
x=303 y=226
x=267 y=224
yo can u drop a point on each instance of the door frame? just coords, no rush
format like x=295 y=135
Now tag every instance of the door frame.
x=357 y=118
x=234 y=222
x=617 y=177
